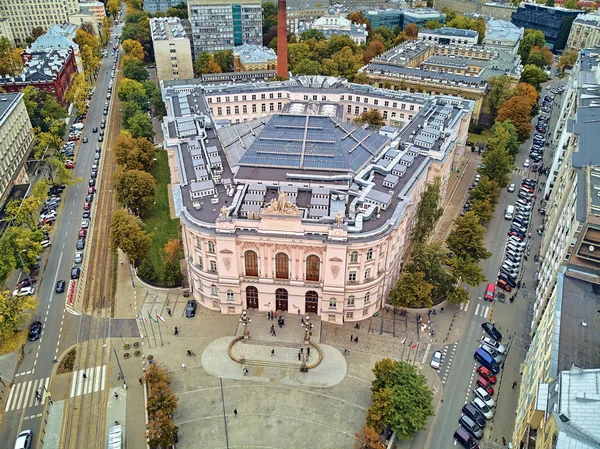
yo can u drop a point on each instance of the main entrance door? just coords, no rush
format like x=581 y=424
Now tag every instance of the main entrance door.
x=281 y=299
x=311 y=302
x=251 y=297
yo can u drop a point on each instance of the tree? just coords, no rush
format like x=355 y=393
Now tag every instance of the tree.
x=531 y=38
x=128 y=110
x=173 y=250
x=549 y=3
x=77 y=92
x=269 y=16
x=429 y=260
x=172 y=276
x=486 y=189
x=428 y=213
x=411 y=31
x=90 y=61
x=140 y=125
x=307 y=67
x=344 y=63
x=133 y=49
x=381 y=411
x=127 y=233
x=146 y=270
x=10 y=58
x=383 y=34
x=385 y=373
x=371 y=117
x=134 y=69
x=540 y=57
x=567 y=59
x=113 y=7
x=571 y=4
x=508 y=132
x=298 y=52
x=526 y=90
x=517 y=109
x=24 y=212
x=224 y=59
x=484 y=209
x=466 y=238
x=367 y=438
x=131 y=90
x=19 y=247
x=134 y=154
x=205 y=63
x=375 y=48
x=59 y=174
x=14 y=311
x=433 y=25
x=412 y=290
x=357 y=17
x=135 y=190
x=312 y=34
x=498 y=165
x=88 y=27
x=178 y=11
x=500 y=91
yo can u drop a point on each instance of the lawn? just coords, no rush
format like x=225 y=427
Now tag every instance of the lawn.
x=482 y=137
x=158 y=219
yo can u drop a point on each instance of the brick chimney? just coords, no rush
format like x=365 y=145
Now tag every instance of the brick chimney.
x=282 y=58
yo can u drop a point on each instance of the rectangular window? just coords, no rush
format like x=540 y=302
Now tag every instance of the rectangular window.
x=228 y=110
x=349 y=109
x=367 y=274
x=412 y=107
x=213 y=266
x=366 y=100
x=394 y=104
x=349 y=315
x=356 y=110
x=386 y=103
x=254 y=109
x=262 y=96
x=254 y=97
x=271 y=107
x=365 y=312
x=349 y=98
x=315 y=97
x=263 y=107
x=236 y=109
x=385 y=115
x=219 y=110
x=243 y=98
x=214 y=290
x=244 y=109
x=352 y=276
x=271 y=95
x=375 y=101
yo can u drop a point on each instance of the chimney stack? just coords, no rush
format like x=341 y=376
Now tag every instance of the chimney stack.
x=282 y=58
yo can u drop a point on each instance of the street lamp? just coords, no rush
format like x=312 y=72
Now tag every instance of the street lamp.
x=245 y=320
x=307 y=325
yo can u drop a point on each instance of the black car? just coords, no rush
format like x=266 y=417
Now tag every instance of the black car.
x=94 y=174
x=60 y=286
x=95 y=129
x=87 y=215
x=190 y=308
x=471 y=411
x=89 y=198
x=35 y=330
x=76 y=271
x=92 y=182
x=80 y=243
x=491 y=330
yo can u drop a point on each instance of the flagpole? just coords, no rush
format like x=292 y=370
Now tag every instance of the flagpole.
x=408 y=355
x=416 y=352
x=145 y=331
x=403 y=348
x=159 y=331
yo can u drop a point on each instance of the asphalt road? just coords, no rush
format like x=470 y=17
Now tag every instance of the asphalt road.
x=23 y=410
x=510 y=318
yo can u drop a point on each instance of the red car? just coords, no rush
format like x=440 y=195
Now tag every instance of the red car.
x=515 y=234
x=86 y=206
x=487 y=374
x=91 y=190
x=486 y=385
x=490 y=290
x=83 y=233
x=25 y=282
x=504 y=285
x=48 y=221
x=70 y=165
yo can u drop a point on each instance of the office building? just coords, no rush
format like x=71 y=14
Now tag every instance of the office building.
x=286 y=205
x=502 y=35
x=154 y=6
x=172 y=50
x=24 y=15
x=390 y=18
x=419 y=66
x=585 y=32
x=16 y=139
x=554 y=22
x=334 y=24
x=420 y=16
x=224 y=24
x=449 y=36
x=5 y=29
x=252 y=58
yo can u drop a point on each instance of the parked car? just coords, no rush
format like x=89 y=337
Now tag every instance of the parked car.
x=471 y=427
x=26 y=282
x=486 y=385
x=83 y=233
x=511 y=188
x=491 y=330
x=484 y=396
x=35 y=331
x=60 y=286
x=24 y=291
x=95 y=129
x=190 y=308
x=471 y=411
x=80 y=244
x=436 y=359
x=75 y=272
x=85 y=224
x=78 y=257
x=487 y=374
x=483 y=408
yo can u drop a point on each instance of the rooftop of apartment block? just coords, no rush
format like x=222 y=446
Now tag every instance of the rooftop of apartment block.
x=167 y=28
x=325 y=166
x=254 y=54
x=7 y=103
x=44 y=65
x=449 y=31
x=590 y=19
x=502 y=30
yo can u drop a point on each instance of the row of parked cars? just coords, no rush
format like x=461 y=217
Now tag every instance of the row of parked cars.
x=475 y=414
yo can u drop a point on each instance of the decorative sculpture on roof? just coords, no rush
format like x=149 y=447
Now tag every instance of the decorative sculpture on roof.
x=281 y=206
x=224 y=212
x=339 y=219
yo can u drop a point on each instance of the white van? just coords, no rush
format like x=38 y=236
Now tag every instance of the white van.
x=508 y=213
x=77 y=126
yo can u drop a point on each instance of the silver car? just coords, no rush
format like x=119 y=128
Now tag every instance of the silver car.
x=436 y=359
x=78 y=257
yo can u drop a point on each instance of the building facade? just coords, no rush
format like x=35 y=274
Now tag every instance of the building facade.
x=154 y=6
x=294 y=208
x=390 y=18
x=334 y=24
x=295 y=17
x=16 y=140
x=24 y=15
x=96 y=8
x=502 y=35
x=6 y=30
x=585 y=32
x=172 y=49
x=85 y=16
x=554 y=22
x=252 y=58
x=224 y=24
x=420 y=16
x=60 y=37
x=449 y=36
x=49 y=70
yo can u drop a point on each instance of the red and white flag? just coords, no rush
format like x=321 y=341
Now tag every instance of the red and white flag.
x=160 y=318
x=415 y=345
x=403 y=341
x=145 y=320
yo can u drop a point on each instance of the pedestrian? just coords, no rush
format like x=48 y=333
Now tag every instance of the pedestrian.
x=245 y=371
x=299 y=356
x=274 y=334
x=84 y=376
x=514 y=384
x=235 y=412
x=176 y=331
x=503 y=441
x=308 y=351
x=302 y=321
x=170 y=312
x=116 y=395
x=355 y=339
x=351 y=338
x=272 y=352
x=442 y=310
x=272 y=328
x=140 y=381
x=183 y=366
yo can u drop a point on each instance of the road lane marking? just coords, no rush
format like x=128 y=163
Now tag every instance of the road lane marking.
x=26 y=388
x=477 y=309
x=10 y=396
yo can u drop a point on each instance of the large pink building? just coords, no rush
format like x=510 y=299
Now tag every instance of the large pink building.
x=292 y=207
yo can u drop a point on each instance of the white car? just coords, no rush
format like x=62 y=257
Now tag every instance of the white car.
x=526 y=163
x=24 y=291
x=78 y=257
x=484 y=396
x=436 y=359
x=484 y=409
x=494 y=344
x=511 y=188
x=24 y=440
x=85 y=224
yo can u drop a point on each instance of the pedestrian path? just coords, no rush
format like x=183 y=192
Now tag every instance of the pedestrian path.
x=480 y=309
x=23 y=394
x=93 y=381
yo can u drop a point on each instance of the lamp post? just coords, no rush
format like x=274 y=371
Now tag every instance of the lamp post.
x=245 y=320
x=307 y=325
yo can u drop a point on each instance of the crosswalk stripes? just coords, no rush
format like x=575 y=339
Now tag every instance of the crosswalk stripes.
x=483 y=312
x=22 y=395
x=94 y=381
x=465 y=306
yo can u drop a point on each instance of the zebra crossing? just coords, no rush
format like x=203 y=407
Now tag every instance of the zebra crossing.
x=481 y=310
x=22 y=395
x=93 y=381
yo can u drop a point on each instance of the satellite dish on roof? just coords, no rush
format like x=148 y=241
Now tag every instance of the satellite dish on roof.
x=591 y=248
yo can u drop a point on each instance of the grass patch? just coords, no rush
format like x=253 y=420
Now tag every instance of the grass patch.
x=16 y=341
x=158 y=219
x=482 y=137
x=67 y=363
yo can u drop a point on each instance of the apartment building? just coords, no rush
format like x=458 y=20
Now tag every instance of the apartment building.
x=172 y=49
x=333 y=24
x=16 y=139
x=585 y=32
x=154 y=6
x=24 y=15
x=296 y=208
x=224 y=24
x=449 y=36
x=96 y=8
x=502 y=35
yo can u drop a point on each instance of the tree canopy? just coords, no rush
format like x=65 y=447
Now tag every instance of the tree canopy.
x=534 y=76
x=127 y=233
x=371 y=117
x=428 y=213
x=531 y=38
x=466 y=238
x=14 y=311
x=135 y=190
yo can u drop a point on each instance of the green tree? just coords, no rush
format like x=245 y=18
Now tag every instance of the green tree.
x=10 y=58
x=127 y=233
x=428 y=213
x=533 y=75
x=269 y=16
x=179 y=11
x=371 y=117
x=486 y=189
x=298 y=52
x=484 y=209
x=24 y=212
x=385 y=374
x=433 y=25
x=500 y=91
x=131 y=90
x=204 y=64
x=567 y=59
x=498 y=165
x=172 y=276
x=128 y=110
x=312 y=34
x=307 y=67
x=224 y=59
x=344 y=63
x=14 y=311
x=531 y=38
x=540 y=57
x=135 y=69
x=549 y=3
x=59 y=174
x=384 y=34
x=466 y=238
x=507 y=128
x=147 y=271
x=412 y=290
x=134 y=154
x=382 y=410
x=467 y=271
x=429 y=260
x=140 y=125
x=571 y=4
x=43 y=110
x=135 y=190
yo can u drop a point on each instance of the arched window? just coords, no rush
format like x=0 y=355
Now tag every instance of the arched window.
x=370 y=254
x=282 y=266
x=354 y=257
x=229 y=295
x=332 y=303
x=251 y=263
x=311 y=296
x=350 y=301
x=252 y=297
x=281 y=294
x=367 y=298
x=312 y=268
x=211 y=247
x=214 y=290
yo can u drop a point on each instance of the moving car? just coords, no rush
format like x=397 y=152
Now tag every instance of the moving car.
x=526 y=163
x=436 y=359
x=511 y=188
x=490 y=291
x=35 y=330
x=24 y=440
x=190 y=308
x=491 y=330
x=60 y=286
